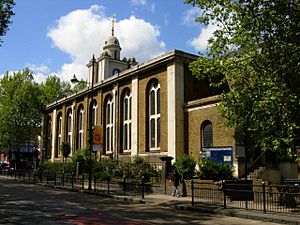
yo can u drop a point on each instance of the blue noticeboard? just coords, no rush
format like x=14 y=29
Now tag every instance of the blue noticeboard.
x=218 y=154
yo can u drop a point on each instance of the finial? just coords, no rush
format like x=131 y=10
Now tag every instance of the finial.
x=113 y=24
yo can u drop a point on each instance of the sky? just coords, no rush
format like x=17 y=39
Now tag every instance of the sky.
x=59 y=37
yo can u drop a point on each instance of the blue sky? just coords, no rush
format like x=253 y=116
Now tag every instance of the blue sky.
x=60 y=36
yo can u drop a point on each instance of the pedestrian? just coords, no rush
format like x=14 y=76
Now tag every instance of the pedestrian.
x=175 y=178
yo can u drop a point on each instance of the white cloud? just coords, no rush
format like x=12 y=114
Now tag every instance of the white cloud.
x=82 y=33
x=138 y=2
x=190 y=15
x=200 y=43
x=40 y=72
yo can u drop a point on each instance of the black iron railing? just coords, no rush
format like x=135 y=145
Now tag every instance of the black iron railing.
x=133 y=187
x=244 y=195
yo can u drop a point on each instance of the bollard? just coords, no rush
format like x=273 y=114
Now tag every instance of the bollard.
x=192 y=187
x=264 y=196
x=82 y=182
x=72 y=179
x=143 y=187
x=108 y=184
x=124 y=185
x=224 y=193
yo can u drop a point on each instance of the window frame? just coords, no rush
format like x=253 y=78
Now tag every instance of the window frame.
x=154 y=116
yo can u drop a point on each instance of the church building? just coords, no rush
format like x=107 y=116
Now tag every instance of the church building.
x=151 y=109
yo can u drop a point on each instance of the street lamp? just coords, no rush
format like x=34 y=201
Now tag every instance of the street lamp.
x=74 y=80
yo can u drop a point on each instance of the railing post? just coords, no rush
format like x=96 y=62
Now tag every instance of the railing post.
x=143 y=187
x=72 y=179
x=124 y=185
x=192 y=187
x=54 y=179
x=34 y=177
x=24 y=177
x=47 y=177
x=224 y=193
x=29 y=175
x=94 y=183
x=108 y=185
x=264 y=196
x=63 y=178
x=82 y=182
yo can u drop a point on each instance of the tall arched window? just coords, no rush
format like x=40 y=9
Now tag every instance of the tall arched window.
x=109 y=124
x=49 y=138
x=59 y=135
x=80 y=125
x=154 y=115
x=94 y=107
x=126 y=121
x=207 y=134
x=69 y=126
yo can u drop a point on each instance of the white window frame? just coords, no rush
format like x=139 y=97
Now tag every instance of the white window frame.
x=94 y=113
x=80 y=127
x=70 y=127
x=59 y=135
x=154 y=87
x=109 y=125
x=126 y=146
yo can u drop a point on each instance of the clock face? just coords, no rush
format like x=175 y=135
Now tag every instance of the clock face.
x=115 y=71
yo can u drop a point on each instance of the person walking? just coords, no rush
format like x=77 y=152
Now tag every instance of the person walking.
x=175 y=179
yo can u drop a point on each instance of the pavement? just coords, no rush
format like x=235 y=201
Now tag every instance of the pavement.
x=184 y=203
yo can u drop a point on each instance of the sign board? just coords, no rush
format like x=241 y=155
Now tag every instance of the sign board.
x=218 y=154
x=98 y=138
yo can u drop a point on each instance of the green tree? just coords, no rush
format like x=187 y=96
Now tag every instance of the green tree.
x=54 y=89
x=256 y=50
x=6 y=12
x=79 y=86
x=20 y=109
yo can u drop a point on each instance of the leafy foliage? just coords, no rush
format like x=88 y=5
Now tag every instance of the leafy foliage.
x=65 y=149
x=256 y=48
x=6 y=12
x=54 y=89
x=20 y=109
x=210 y=170
x=185 y=166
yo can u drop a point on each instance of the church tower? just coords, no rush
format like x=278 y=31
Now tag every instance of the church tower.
x=109 y=62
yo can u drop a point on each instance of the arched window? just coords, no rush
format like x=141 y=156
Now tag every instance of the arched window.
x=109 y=124
x=80 y=125
x=94 y=107
x=207 y=134
x=126 y=121
x=69 y=126
x=49 y=138
x=154 y=115
x=59 y=135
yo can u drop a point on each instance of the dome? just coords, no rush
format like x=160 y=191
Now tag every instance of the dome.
x=111 y=41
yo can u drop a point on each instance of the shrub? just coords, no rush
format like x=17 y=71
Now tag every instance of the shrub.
x=210 y=170
x=185 y=166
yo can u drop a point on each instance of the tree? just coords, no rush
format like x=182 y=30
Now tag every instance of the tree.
x=256 y=50
x=20 y=109
x=53 y=89
x=6 y=12
x=79 y=86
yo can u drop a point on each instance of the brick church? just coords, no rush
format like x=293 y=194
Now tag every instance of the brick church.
x=150 y=109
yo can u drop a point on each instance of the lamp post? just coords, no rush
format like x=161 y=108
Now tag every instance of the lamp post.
x=74 y=80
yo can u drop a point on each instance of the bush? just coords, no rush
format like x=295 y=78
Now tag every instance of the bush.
x=210 y=170
x=185 y=166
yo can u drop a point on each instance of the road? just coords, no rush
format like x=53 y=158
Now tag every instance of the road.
x=32 y=204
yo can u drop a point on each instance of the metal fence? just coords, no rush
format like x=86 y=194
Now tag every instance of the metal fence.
x=124 y=186
x=245 y=195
